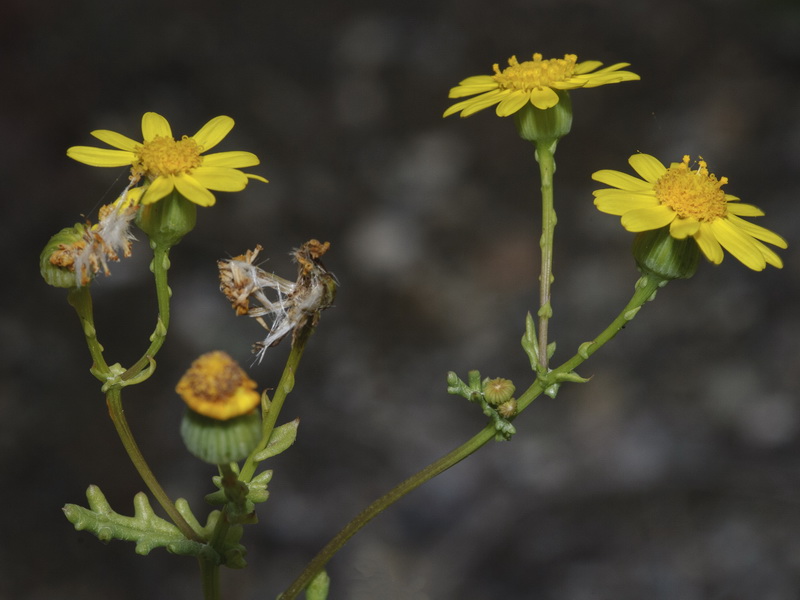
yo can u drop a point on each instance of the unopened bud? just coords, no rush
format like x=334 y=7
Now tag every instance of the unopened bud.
x=499 y=390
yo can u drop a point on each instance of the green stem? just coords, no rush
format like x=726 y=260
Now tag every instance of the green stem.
x=209 y=573
x=645 y=287
x=81 y=300
x=159 y=266
x=320 y=560
x=117 y=413
x=547 y=166
x=209 y=570
x=285 y=386
x=645 y=290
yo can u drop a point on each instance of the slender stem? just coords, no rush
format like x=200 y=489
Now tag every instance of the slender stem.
x=117 y=413
x=645 y=287
x=547 y=166
x=209 y=573
x=320 y=560
x=285 y=386
x=160 y=267
x=81 y=300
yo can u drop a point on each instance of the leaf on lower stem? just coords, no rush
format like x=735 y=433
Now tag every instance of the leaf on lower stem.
x=318 y=588
x=148 y=530
x=282 y=437
x=530 y=343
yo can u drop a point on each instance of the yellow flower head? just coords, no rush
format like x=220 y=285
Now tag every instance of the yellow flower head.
x=533 y=81
x=215 y=386
x=692 y=203
x=166 y=164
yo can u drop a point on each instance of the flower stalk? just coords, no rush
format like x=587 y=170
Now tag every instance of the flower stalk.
x=645 y=289
x=117 y=414
x=547 y=166
x=159 y=266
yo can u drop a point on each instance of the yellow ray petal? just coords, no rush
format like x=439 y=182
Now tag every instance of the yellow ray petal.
x=112 y=138
x=191 y=189
x=622 y=203
x=471 y=89
x=683 y=228
x=621 y=180
x=158 y=189
x=738 y=244
x=512 y=103
x=758 y=232
x=744 y=210
x=645 y=219
x=100 y=157
x=222 y=179
x=648 y=167
x=478 y=80
x=586 y=66
x=543 y=98
x=234 y=159
x=213 y=132
x=708 y=244
x=153 y=124
x=769 y=255
x=473 y=105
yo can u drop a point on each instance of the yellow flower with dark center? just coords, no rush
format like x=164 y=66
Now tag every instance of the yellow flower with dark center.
x=692 y=204
x=533 y=81
x=215 y=386
x=165 y=164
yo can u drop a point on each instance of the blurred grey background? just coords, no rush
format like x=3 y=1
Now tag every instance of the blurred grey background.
x=674 y=474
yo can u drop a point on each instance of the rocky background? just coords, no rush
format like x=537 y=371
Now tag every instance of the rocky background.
x=673 y=475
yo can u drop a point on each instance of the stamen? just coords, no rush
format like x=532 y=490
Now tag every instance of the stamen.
x=538 y=73
x=164 y=156
x=692 y=194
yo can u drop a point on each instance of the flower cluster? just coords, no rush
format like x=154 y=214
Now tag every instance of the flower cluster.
x=692 y=204
x=297 y=303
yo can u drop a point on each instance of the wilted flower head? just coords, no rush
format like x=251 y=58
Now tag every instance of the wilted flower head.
x=297 y=303
x=216 y=387
x=98 y=244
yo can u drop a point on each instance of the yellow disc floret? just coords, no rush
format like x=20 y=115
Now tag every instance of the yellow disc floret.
x=165 y=156
x=215 y=386
x=536 y=73
x=692 y=194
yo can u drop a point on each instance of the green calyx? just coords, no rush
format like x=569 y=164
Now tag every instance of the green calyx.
x=220 y=442
x=548 y=125
x=53 y=274
x=166 y=222
x=658 y=253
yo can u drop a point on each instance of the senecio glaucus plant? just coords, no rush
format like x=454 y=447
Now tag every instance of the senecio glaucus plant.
x=678 y=212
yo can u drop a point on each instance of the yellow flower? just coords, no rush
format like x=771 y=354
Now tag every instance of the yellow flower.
x=533 y=81
x=215 y=386
x=691 y=203
x=167 y=164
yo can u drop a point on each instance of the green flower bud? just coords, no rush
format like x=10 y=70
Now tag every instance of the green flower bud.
x=508 y=408
x=57 y=260
x=220 y=442
x=548 y=125
x=658 y=253
x=497 y=391
x=166 y=222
